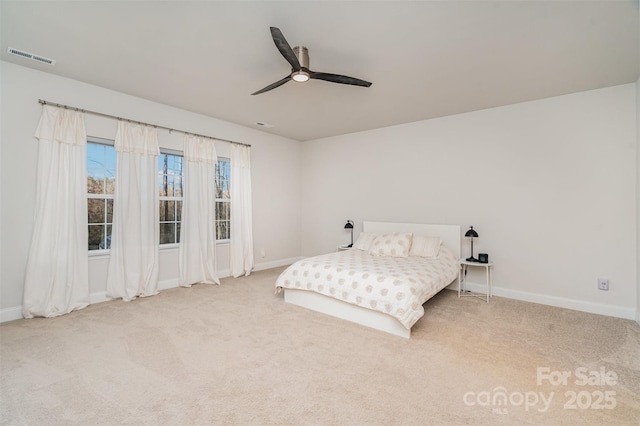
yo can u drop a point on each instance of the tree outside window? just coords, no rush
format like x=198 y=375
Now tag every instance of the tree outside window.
x=101 y=181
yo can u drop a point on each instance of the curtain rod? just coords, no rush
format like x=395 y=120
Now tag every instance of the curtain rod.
x=43 y=102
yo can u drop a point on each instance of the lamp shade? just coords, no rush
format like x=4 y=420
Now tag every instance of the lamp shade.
x=349 y=226
x=471 y=233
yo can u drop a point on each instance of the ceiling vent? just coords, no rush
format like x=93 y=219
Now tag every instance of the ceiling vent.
x=31 y=56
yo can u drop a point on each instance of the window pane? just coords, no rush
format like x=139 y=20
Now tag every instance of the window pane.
x=223 y=211
x=110 y=159
x=219 y=235
x=108 y=239
x=169 y=162
x=95 y=210
x=177 y=186
x=95 y=156
x=223 y=172
x=167 y=211
x=161 y=184
x=222 y=230
x=166 y=186
x=173 y=165
x=167 y=233
x=110 y=183
x=96 y=233
x=163 y=164
x=109 y=211
x=101 y=171
x=170 y=183
x=105 y=243
x=95 y=184
x=223 y=220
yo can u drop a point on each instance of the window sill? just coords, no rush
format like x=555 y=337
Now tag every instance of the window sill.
x=99 y=254
x=104 y=254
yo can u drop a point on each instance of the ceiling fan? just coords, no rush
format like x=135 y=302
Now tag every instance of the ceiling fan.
x=298 y=57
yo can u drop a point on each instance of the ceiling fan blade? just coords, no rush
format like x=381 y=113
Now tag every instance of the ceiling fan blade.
x=284 y=48
x=273 y=85
x=337 y=78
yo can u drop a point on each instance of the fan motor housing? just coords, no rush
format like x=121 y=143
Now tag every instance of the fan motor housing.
x=302 y=53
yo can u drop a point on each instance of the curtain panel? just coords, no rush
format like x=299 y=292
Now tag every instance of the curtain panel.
x=133 y=261
x=241 y=244
x=198 y=231
x=56 y=280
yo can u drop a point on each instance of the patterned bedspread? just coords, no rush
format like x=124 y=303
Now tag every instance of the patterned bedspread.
x=391 y=285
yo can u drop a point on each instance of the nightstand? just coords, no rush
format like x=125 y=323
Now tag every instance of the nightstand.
x=344 y=247
x=462 y=273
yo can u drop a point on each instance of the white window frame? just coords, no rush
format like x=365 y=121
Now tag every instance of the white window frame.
x=109 y=143
x=223 y=200
x=176 y=199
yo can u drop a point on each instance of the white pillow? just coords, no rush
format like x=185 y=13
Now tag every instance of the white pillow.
x=428 y=247
x=365 y=239
x=393 y=245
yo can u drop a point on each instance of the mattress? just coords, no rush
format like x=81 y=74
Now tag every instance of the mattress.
x=397 y=286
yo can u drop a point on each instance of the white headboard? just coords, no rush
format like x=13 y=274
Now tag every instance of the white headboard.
x=450 y=234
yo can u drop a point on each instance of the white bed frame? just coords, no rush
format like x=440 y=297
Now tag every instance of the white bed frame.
x=450 y=235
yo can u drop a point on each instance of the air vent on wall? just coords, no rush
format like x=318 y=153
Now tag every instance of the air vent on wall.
x=31 y=56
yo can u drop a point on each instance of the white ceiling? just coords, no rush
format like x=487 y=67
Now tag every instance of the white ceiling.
x=426 y=59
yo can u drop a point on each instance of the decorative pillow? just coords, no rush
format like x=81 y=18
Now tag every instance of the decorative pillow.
x=365 y=239
x=393 y=245
x=428 y=247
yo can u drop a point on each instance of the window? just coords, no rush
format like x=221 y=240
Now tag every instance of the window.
x=223 y=199
x=170 y=178
x=101 y=180
x=171 y=181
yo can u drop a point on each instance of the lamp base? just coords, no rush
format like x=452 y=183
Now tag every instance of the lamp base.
x=472 y=259
x=350 y=245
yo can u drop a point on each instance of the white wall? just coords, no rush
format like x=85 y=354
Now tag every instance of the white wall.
x=552 y=186
x=275 y=174
x=549 y=185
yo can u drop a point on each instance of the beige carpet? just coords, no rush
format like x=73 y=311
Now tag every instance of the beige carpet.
x=237 y=354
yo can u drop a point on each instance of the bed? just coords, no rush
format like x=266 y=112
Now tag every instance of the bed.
x=384 y=289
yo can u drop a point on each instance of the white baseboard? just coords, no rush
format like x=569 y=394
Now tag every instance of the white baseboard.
x=10 y=314
x=98 y=297
x=276 y=263
x=560 y=302
x=167 y=284
x=14 y=313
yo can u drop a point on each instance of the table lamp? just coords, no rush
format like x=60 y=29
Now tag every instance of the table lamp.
x=349 y=226
x=472 y=234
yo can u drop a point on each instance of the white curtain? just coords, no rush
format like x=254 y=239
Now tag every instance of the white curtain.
x=133 y=262
x=198 y=231
x=56 y=279
x=241 y=246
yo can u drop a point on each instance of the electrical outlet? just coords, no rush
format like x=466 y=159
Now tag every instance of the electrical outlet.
x=603 y=284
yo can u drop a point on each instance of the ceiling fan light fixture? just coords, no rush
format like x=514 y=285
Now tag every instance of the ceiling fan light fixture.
x=300 y=76
x=298 y=58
